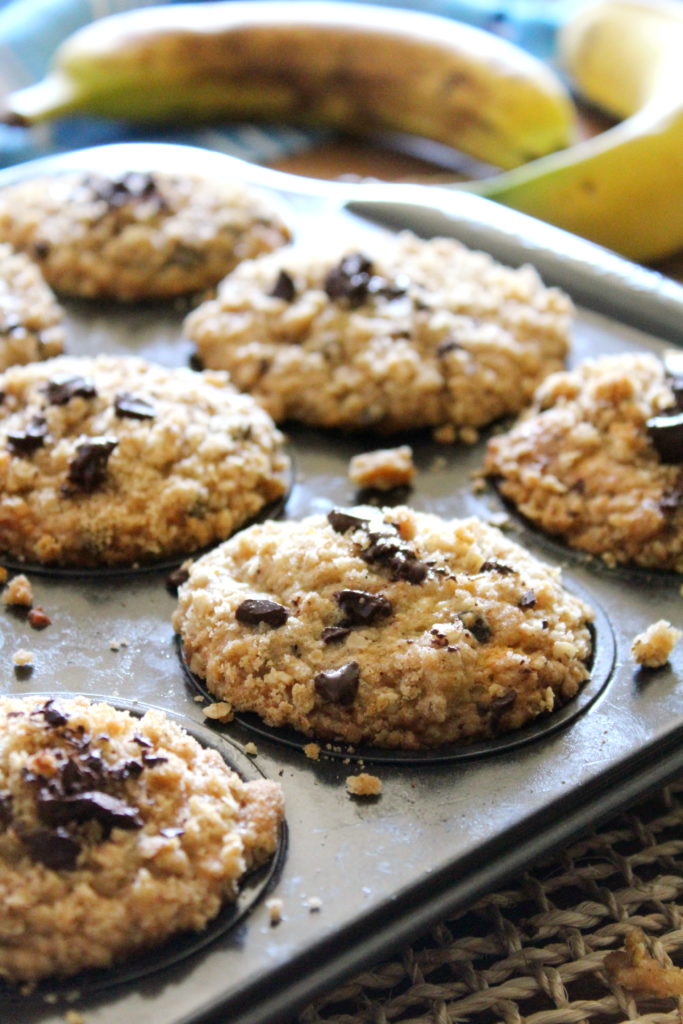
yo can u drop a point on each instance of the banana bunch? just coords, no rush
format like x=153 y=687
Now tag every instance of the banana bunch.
x=359 y=67
x=623 y=188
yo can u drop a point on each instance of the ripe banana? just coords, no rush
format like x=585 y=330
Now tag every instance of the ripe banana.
x=624 y=187
x=356 y=66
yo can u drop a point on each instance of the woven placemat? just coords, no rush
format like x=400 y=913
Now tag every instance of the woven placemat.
x=534 y=952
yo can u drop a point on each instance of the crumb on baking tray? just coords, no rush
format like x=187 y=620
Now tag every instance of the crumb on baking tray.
x=312 y=751
x=22 y=658
x=38 y=618
x=652 y=648
x=635 y=970
x=220 y=711
x=383 y=469
x=275 y=908
x=314 y=904
x=73 y=1017
x=18 y=592
x=363 y=784
x=251 y=749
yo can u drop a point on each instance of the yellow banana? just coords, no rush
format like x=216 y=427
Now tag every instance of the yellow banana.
x=624 y=187
x=356 y=66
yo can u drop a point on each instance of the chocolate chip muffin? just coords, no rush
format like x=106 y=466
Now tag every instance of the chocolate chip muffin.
x=597 y=461
x=116 y=832
x=383 y=626
x=136 y=236
x=31 y=319
x=117 y=461
x=404 y=333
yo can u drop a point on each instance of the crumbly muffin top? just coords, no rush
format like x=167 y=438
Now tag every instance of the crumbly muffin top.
x=598 y=460
x=137 y=236
x=115 y=460
x=116 y=831
x=31 y=319
x=405 y=333
x=390 y=627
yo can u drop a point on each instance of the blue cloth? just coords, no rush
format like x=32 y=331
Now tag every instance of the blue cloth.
x=31 y=30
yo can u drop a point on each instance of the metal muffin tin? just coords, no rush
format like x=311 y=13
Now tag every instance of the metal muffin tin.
x=444 y=830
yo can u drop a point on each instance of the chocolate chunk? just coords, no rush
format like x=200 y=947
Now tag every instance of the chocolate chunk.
x=52 y=713
x=78 y=776
x=394 y=554
x=283 y=287
x=349 y=279
x=142 y=741
x=176 y=578
x=528 y=599
x=254 y=610
x=334 y=634
x=128 y=770
x=476 y=625
x=361 y=608
x=5 y=809
x=133 y=185
x=24 y=442
x=152 y=760
x=92 y=805
x=498 y=706
x=492 y=566
x=133 y=407
x=341 y=521
x=666 y=434
x=88 y=470
x=61 y=390
x=54 y=848
x=338 y=685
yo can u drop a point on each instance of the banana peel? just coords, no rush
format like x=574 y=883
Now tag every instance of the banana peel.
x=623 y=188
x=359 y=67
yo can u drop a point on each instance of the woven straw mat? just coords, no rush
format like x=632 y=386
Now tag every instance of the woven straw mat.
x=533 y=953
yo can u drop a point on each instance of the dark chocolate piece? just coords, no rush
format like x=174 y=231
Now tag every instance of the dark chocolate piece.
x=390 y=551
x=349 y=279
x=61 y=390
x=361 y=608
x=88 y=469
x=476 y=625
x=283 y=287
x=176 y=578
x=334 y=634
x=133 y=407
x=54 y=848
x=254 y=610
x=91 y=805
x=5 y=809
x=52 y=713
x=338 y=685
x=341 y=521
x=666 y=434
x=25 y=442
x=491 y=565
x=528 y=599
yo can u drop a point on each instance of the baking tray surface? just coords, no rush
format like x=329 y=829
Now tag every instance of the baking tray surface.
x=362 y=877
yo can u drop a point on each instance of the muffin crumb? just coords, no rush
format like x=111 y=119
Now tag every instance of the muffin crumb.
x=652 y=648
x=18 y=592
x=363 y=785
x=220 y=711
x=383 y=469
